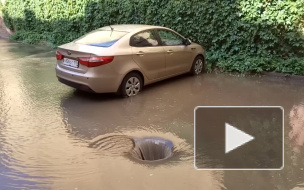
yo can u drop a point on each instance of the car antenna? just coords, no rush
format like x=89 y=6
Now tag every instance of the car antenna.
x=112 y=29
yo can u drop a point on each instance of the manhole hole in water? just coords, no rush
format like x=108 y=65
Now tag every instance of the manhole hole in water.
x=152 y=149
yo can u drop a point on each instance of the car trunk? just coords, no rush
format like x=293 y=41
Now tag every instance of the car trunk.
x=71 y=52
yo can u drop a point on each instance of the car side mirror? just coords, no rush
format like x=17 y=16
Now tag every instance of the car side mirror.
x=187 y=42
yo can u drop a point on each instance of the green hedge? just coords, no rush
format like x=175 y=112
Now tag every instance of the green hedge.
x=239 y=35
x=1 y=7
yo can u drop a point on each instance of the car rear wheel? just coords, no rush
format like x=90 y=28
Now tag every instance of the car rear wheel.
x=198 y=65
x=131 y=85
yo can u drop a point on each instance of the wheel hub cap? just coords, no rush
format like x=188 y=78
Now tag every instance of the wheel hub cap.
x=198 y=66
x=132 y=86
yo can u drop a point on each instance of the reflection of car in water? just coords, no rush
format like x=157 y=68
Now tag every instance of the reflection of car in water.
x=98 y=114
x=92 y=115
x=296 y=117
x=124 y=58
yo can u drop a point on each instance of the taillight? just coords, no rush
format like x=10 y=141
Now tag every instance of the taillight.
x=59 y=56
x=95 y=61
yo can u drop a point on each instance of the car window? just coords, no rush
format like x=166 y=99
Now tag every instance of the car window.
x=101 y=38
x=144 y=39
x=169 y=38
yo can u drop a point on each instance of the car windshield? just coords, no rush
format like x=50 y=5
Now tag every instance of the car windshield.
x=101 y=38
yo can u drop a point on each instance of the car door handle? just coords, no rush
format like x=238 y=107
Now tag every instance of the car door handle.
x=170 y=51
x=140 y=53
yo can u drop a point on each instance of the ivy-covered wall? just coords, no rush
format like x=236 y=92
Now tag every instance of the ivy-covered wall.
x=239 y=35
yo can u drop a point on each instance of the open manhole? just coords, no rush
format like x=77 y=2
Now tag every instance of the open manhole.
x=152 y=149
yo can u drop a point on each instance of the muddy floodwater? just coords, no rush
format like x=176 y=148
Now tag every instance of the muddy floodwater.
x=53 y=137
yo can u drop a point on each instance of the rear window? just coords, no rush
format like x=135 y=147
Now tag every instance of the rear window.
x=101 y=38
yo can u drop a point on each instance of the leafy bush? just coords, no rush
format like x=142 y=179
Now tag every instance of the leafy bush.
x=1 y=7
x=291 y=66
x=239 y=35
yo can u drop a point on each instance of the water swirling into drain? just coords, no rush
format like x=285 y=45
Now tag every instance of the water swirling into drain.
x=147 y=149
x=113 y=144
x=152 y=149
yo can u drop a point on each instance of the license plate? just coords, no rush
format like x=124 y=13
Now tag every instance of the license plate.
x=70 y=62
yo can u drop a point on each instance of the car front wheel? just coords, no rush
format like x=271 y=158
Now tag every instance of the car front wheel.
x=197 y=66
x=131 y=85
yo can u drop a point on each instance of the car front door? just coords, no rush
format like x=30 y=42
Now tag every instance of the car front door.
x=148 y=54
x=178 y=55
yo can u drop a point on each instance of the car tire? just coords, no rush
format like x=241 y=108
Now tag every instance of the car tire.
x=198 y=65
x=131 y=85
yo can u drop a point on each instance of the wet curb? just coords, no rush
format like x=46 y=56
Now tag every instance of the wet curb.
x=283 y=75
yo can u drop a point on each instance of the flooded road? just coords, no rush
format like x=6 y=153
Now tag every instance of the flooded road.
x=53 y=137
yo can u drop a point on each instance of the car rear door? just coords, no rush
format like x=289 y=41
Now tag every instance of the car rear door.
x=178 y=55
x=148 y=54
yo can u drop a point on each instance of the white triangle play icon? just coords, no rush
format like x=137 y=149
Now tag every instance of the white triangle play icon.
x=235 y=138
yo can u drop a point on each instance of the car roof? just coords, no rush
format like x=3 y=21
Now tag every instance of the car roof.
x=130 y=27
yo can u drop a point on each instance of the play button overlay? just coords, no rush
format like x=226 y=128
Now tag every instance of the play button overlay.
x=239 y=138
x=235 y=138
